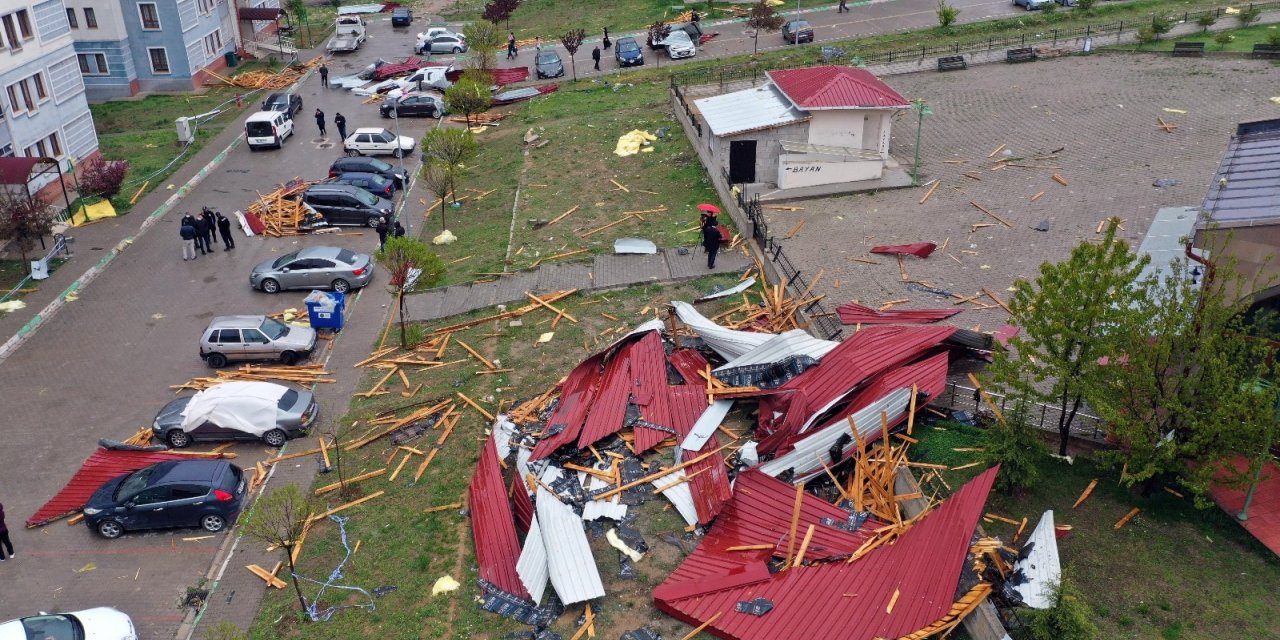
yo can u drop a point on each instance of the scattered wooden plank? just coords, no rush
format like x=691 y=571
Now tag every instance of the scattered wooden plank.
x=804 y=546
x=704 y=625
x=750 y=547
x=795 y=523
x=266 y=576
x=896 y=592
x=476 y=354
x=794 y=230
x=443 y=507
x=1037 y=196
x=929 y=193
x=476 y=406
x=76 y=519
x=563 y=215
x=344 y=507
x=996 y=150
x=965 y=466
x=1085 y=494
x=619 y=185
x=338 y=485
x=988 y=212
x=1059 y=179
x=1171 y=491
x=995 y=298
x=137 y=194
x=1127 y=517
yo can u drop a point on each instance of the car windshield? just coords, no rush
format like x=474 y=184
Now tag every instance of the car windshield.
x=379 y=165
x=346 y=255
x=377 y=181
x=259 y=129
x=548 y=56
x=283 y=260
x=287 y=400
x=137 y=481
x=53 y=627
x=627 y=47
x=274 y=328
x=276 y=101
x=799 y=24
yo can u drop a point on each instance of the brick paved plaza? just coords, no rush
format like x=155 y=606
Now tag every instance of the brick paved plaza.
x=1101 y=108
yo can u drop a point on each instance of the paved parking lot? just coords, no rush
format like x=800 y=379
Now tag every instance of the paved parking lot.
x=1100 y=110
x=102 y=367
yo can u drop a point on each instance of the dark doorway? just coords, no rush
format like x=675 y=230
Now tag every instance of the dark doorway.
x=742 y=161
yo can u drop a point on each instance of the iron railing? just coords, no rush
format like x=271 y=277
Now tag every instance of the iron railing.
x=1042 y=416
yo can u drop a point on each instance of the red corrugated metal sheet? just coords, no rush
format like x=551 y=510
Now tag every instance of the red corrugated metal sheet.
x=922 y=567
x=575 y=399
x=689 y=362
x=854 y=313
x=832 y=87
x=100 y=467
x=918 y=249
x=609 y=406
x=710 y=489
x=521 y=503
x=649 y=368
x=867 y=353
x=492 y=524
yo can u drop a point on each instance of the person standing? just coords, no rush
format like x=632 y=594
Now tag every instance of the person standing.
x=224 y=227
x=320 y=121
x=511 y=44
x=595 y=55
x=340 y=121
x=382 y=233
x=202 y=236
x=324 y=76
x=207 y=214
x=844 y=6
x=399 y=230
x=537 y=43
x=188 y=233
x=710 y=239
x=4 y=538
x=607 y=43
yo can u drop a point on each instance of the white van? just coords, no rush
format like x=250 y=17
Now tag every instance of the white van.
x=267 y=129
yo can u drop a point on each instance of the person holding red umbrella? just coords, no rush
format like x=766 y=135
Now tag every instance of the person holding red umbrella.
x=711 y=236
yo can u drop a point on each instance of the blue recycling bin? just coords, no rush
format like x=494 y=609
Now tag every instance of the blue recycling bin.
x=322 y=317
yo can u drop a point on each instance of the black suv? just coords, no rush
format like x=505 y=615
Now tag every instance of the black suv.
x=365 y=164
x=183 y=493
x=343 y=204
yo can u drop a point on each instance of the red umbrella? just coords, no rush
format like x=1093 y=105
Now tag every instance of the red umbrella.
x=709 y=208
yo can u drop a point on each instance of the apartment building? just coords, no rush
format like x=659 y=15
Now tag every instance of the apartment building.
x=128 y=46
x=43 y=108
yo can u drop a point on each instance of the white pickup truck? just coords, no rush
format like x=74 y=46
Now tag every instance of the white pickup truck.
x=348 y=34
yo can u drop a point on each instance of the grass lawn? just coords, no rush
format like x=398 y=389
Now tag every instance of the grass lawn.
x=1242 y=43
x=582 y=123
x=143 y=131
x=1173 y=572
x=402 y=546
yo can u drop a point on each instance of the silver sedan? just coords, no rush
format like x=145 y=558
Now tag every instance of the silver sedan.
x=314 y=268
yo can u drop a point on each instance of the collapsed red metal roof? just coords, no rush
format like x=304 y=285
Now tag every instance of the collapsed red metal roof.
x=651 y=392
x=576 y=395
x=493 y=524
x=710 y=486
x=854 y=313
x=917 y=249
x=918 y=574
x=100 y=467
x=835 y=87
x=609 y=406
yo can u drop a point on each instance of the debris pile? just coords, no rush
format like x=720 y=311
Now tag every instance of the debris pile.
x=282 y=212
x=282 y=79
x=304 y=375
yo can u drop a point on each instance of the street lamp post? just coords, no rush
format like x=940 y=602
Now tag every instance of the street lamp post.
x=403 y=192
x=921 y=110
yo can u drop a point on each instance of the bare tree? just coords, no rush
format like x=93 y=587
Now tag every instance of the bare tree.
x=572 y=41
x=403 y=257
x=658 y=32
x=763 y=18
x=279 y=520
x=439 y=179
x=24 y=220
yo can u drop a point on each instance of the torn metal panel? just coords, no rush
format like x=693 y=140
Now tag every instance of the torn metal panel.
x=729 y=343
x=706 y=425
x=1041 y=566
x=503 y=430
x=634 y=246
x=571 y=565
x=917 y=249
x=738 y=288
x=781 y=346
x=811 y=452
x=854 y=313
x=679 y=495
x=688 y=363
x=596 y=509
x=521 y=503
x=649 y=369
x=609 y=406
x=576 y=394
x=493 y=525
x=532 y=565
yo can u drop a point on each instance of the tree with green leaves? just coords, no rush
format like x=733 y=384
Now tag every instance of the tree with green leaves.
x=496 y=11
x=1014 y=444
x=297 y=10
x=572 y=41
x=1183 y=387
x=279 y=519
x=1069 y=618
x=468 y=97
x=483 y=41
x=1065 y=314
x=453 y=147
x=413 y=267
x=947 y=14
x=1206 y=20
x=440 y=179
x=1248 y=16
x=658 y=32
x=763 y=18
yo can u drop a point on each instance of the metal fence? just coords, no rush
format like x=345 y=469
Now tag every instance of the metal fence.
x=61 y=246
x=1043 y=416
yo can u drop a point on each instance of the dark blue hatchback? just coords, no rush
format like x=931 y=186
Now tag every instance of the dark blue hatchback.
x=627 y=52
x=183 y=493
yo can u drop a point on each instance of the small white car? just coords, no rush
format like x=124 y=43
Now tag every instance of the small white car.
x=99 y=623
x=679 y=45
x=372 y=141
x=432 y=32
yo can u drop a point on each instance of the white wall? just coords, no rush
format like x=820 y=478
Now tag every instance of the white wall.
x=800 y=170
x=110 y=22
x=840 y=128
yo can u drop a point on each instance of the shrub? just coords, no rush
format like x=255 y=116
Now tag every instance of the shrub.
x=102 y=178
x=1273 y=39
x=1248 y=16
x=1223 y=39
x=1146 y=35
x=1161 y=25
x=947 y=14
x=1068 y=619
x=1085 y=6
x=1207 y=20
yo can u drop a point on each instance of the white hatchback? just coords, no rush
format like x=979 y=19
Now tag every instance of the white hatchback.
x=370 y=141
x=99 y=623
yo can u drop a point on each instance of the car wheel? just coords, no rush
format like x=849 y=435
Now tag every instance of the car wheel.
x=341 y=286
x=216 y=360
x=372 y=222
x=394 y=113
x=270 y=286
x=110 y=529
x=213 y=523
x=178 y=439
x=457 y=50
x=353 y=152
x=289 y=357
x=398 y=152
x=275 y=438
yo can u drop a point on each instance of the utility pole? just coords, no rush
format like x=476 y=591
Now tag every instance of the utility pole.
x=921 y=110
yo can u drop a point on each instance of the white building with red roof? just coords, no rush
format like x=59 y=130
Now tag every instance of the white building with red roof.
x=819 y=129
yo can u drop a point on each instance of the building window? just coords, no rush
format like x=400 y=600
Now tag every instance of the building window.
x=11 y=32
x=90 y=18
x=149 y=15
x=213 y=43
x=38 y=81
x=93 y=64
x=24 y=24
x=71 y=19
x=23 y=94
x=6 y=151
x=159 y=59
x=49 y=146
x=205 y=6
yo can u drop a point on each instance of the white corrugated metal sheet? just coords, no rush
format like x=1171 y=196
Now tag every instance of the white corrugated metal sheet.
x=761 y=107
x=596 y=509
x=532 y=565
x=795 y=342
x=729 y=343
x=706 y=425
x=503 y=430
x=679 y=495
x=1041 y=566
x=570 y=563
x=810 y=453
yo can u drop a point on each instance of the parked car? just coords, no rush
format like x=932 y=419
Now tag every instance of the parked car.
x=424 y=37
x=401 y=17
x=314 y=268
x=343 y=204
x=414 y=104
x=548 y=64
x=679 y=45
x=237 y=410
x=1032 y=5
x=377 y=141
x=451 y=43
x=349 y=34
x=89 y=624
x=288 y=102
x=182 y=493
x=235 y=338
x=627 y=53
x=371 y=182
x=795 y=31
x=267 y=129
x=363 y=164
x=691 y=29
